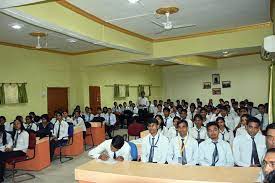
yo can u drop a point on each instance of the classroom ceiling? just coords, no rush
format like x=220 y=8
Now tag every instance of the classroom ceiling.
x=56 y=41
x=208 y=15
x=155 y=63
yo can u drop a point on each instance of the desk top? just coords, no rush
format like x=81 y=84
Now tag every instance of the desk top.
x=134 y=172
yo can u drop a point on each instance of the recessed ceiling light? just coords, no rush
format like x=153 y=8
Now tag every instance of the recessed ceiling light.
x=71 y=40
x=225 y=52
x=16 y=26
x=133 y=1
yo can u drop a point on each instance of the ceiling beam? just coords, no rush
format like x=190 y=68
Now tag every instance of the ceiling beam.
x=195 y=61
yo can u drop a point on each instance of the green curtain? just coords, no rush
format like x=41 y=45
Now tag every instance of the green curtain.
x=127 y=93
x=271 y=101
x=116 y=90
x=2 y=94
x=22 y=93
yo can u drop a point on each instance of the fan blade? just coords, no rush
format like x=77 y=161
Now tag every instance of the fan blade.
x=184 y=26
x=157 y=23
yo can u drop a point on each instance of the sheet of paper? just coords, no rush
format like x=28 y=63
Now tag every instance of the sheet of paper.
x=110 y=161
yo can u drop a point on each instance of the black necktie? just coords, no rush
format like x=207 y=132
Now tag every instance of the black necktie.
x=215 y=156
x=58 y=131
x=222 y=136
x=199 y=135
x=192 y=116
x=15 y=140
x=262 y=121
x=165 y=122
x=151 y=155
x=114 y=155
x=254 y=157
x=183 y=155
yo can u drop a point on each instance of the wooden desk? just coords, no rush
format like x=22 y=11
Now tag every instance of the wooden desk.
x=77 y=147
x=42 y=157
x=98 y=133
x=137 y=172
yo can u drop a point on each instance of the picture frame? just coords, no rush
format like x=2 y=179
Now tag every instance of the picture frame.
x=216 y=91
x=216 y=79
x=206 y=85
x=226 y=84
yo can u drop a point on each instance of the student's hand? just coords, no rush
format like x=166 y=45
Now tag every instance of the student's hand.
x=8 y=149
x=120 y=158
x=103 y=157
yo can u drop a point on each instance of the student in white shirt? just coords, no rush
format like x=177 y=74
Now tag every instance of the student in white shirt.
x=115 y=148
x=159 y=110
x=173 y=132
x=183 y=116
x=151 y=108
x=142 y=104
x=110 y=121
x=79 y=122
x=249 y=149
x=224 y=132
x=191 y=114
x=18 y=148
x=213 y=151
x=183 y=149
x=215 y=114
x=228 y=120
x=203 y=113
x=168 y=121
x=5 y=139
x=135 y=110
x=88 y=114
x=66 y=117
x=174 y=112
x=154 y=145
x=162 y=129
x=241 y=128
x=198 y=132
x=263 y=117
x=237 y=120
x=115 y=109
x=30 y=125
x=8 y=125
x=100 y=114
x=155 y=108
x=59 y=134
x=251 y=110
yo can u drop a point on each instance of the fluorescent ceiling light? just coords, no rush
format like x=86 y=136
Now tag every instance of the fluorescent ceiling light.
x=225 y=52
x=71 y=40
x=133 y=1
x=16 y=26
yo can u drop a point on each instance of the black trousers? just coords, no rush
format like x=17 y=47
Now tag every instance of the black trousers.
x=109 y=130
x=54 y=144
x=7 y=155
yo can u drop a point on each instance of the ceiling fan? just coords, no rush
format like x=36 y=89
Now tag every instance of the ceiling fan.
x=39 y=36
x=168 y=25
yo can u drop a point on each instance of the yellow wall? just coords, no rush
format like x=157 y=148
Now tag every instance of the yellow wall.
x=248 y=76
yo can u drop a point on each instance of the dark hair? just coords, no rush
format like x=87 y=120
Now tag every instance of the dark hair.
x=45 y=116
x=270 y=178
x=4 y=136
x=243 y=108
x=203 y=109
x=270 y=127
x=184 y=110
x=159 y=105
x=31 y=113
x=271 y=150
x=3 y=117
x=176 y=117
x=166 y=109
x=223 y=108
x=22 y=127
x=221 y=118
x=198 y=116
x=212 y=124
x=152 y=120
x=117 y=142
x=60 y=113
x=182 y=121
x=254 y=120
x=99 y=108
x=162 y=121
x=261 y=105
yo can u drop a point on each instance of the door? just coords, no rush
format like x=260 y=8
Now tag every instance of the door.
x=57 y=100
x=95 y=99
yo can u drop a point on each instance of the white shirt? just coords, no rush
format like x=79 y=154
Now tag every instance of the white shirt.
x=191 y=115
x=31 y=126
x=102 y=115
x=8 y=144
x=168 y=121
x=110 y=119
x=190 y=147
x=159 y=113
x=253 y=112
x=8 y=126
x=194 y=132
x=88 y=117
x=155 y=109
x=68 y=119
x=135 y=111
x=263 y=118
x=161 y=144
x=171 y=133
x=115 y=109
x=53 y=120
x=142 y=103
x=124 y=151
x=164 y=131
x=206 y=121
x=190 y=123
x=229 y=122
x=241 y=131
x=63 y=133
x=206 y=149
x=22 y=143
x=151 y=109
x=228 y=136
x=79 y=122
x=242 y=149
x=174 y=114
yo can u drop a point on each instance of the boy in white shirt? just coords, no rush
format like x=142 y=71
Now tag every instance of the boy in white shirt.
x=213 y=151
x=116 y=149
x=154 y=145
x=198 y=132
x=228 y=120
x=168 y=121
x=241 y=128
x=110 y=121
x=79 y=122
x=262 y=116
x=66 y=117
x=183 y=149
x=30 y=125
x=191 y=114
x=183 y=116
x=159 y=110
x=172 y=132
x=88 y=114
x=203 y=113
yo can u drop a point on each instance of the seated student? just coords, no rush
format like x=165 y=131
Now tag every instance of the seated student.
x=79 y=122
x=198 y=132
x=215 y=114
x=241 y=128
x=228 y=120
x=159 y=110
x=59 y=134
x=110 y=121
x=191 y=114
x=66 y=117
x=53 y=120
x=263 y=117
x=115 y=109
x=19 y=148
x=135 y=109
x=168 y=121
x=88 y=114
x=8 y=125
x=183 y=149
x=99 y=113
x=30 y=125
x=213 y=151
x=249 y=148
x=173 y=130
x=154 y=145
x=268 y=165
x=115 y=148
x=251 y=110
x=270 y=136
x=203 y=113
x=45 y=127
x=224 y=132
x=183 y=116
x=174 y=112
x=162 y=129
x=237 y=120
x=5 y=139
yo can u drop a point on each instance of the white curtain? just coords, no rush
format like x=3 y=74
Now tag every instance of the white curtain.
x=11 y=93
x=122 y=91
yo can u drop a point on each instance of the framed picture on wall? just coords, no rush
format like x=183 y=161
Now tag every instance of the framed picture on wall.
x=206 y=85
x=226 y=84
x=216 y=79
x=216 y=91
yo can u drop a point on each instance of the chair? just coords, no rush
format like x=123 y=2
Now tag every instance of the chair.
x=134 y=151
x=135 y=129
x=13 y=161
x=68 y=143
